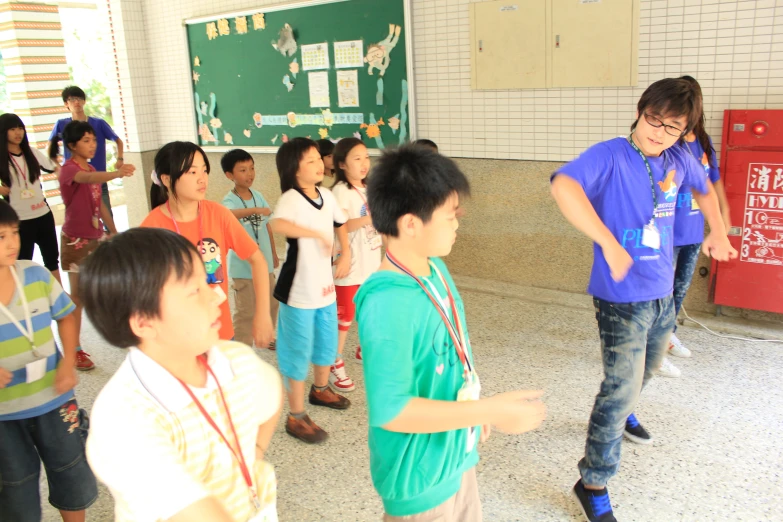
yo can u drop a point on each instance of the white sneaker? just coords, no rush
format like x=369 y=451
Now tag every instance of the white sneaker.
x=677 y=349
x=339 y=379
x=667 y=369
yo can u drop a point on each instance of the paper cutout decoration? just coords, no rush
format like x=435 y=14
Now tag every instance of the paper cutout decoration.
x=323 y=133
x=223 y=28
x=274 y=139
x=319 y=88
x=196 y=62
x=315 y=56
x=240 y=24
x=404 y=111
x=246 y=132
x=379 y=93
x=373 y=130
x=349 y=54
x=204 y=108
x=291 y=119
x=294 y=68
x=203 y=131
x=378 y=54
x=287 y=82
x=215 y=123
x=348 y=88
x=286 y=43
x=328 y=117
x=258 y=22
x=284 y=139
x=357 y=135
x=196 y=77
x=258 y=120
x=394 y=123
x=212 y=31
x=228 y=138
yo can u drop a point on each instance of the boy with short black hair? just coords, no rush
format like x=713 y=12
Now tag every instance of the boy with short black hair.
x=39 y=417
x=427 y=143
x=622 y=194
x=74 y=99
x=252 y=210
x=423 y=393
x=180 y=431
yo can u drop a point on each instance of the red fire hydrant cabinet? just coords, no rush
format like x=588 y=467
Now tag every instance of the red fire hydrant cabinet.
x=752 y=172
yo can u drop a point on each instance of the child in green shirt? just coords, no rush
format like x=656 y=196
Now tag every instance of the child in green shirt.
x=423 y=393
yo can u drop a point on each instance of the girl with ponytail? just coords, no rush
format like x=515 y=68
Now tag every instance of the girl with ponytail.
x=689 y=222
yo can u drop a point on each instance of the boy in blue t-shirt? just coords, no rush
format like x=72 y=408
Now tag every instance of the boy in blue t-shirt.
x=252 y=210
x=39 y=417
x=423 y=393
x=74 y=99
x=622 y=194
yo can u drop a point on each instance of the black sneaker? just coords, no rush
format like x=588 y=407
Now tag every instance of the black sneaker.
x=635 y=432
x=595 y=504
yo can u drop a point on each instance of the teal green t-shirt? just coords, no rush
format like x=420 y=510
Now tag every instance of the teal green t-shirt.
x=255 y=225
x=407 y=352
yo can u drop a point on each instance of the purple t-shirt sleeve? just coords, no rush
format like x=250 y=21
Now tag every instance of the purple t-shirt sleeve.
x=694 y=174
x=57 y=130
x=108 y=132
x=714 y=170
x=591 y=169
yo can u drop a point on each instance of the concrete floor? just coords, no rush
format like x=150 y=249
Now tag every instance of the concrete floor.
x=716 y=454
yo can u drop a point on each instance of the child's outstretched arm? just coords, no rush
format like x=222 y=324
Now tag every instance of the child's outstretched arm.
x=292 y=230
x=716 y=244
x=65 y=378
x=275 y=259
x=263 y=330
x=577 y=209
x=103 y=177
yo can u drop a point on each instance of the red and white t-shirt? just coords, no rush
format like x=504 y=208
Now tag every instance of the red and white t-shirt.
x=305 y=279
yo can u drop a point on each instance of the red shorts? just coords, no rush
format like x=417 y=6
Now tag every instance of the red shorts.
x=346 y=310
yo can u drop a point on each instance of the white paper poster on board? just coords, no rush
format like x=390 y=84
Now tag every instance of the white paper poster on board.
x=348 y=88
x=319 y=88
x=348 y=55
x=315 y=56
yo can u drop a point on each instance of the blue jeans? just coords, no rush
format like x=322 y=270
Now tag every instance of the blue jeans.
x=686 y=258
x=634 y=338
x=57 y=439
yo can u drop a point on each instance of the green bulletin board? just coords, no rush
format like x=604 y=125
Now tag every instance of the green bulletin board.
x=252 y=86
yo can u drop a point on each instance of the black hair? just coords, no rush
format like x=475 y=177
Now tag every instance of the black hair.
x=125 y=276
x=173 y=159
x=671 y=97
x=699 y=129
x=72 y=133
x=341 y=151
x=73 y=91
x=232 y=157
x=411 y=180
x=8 y=216
x=325 y=147
x=288 y=157
x=427 y=143
x=10 y=121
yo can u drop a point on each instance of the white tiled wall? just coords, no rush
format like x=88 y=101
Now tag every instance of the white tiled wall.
x=734 y=49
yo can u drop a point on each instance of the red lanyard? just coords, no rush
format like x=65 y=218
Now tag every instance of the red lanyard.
x=20 y=172
x=200 y=224
x=240 y=458
x=457 y=334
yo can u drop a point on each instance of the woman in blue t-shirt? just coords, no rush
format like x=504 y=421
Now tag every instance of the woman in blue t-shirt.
x=689 y=226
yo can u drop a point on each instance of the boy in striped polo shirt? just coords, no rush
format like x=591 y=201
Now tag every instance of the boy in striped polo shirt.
x=180 y=431
x=39 y=417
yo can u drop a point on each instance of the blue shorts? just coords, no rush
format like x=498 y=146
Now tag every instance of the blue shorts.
x=56 y=438
x=305 y=336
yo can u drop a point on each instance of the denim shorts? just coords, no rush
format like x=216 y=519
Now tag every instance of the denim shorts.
x=57 y=438
x=305 y=336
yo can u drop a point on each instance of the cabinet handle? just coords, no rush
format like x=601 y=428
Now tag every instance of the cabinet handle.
x=557 y=41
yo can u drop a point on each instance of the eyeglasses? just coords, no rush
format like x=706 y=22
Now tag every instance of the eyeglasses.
x=670 y=129
x=74 y=99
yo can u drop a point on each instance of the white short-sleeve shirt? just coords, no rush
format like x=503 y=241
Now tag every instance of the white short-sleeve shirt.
x=153 y=448
x=365 y=241
x=306 y=279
